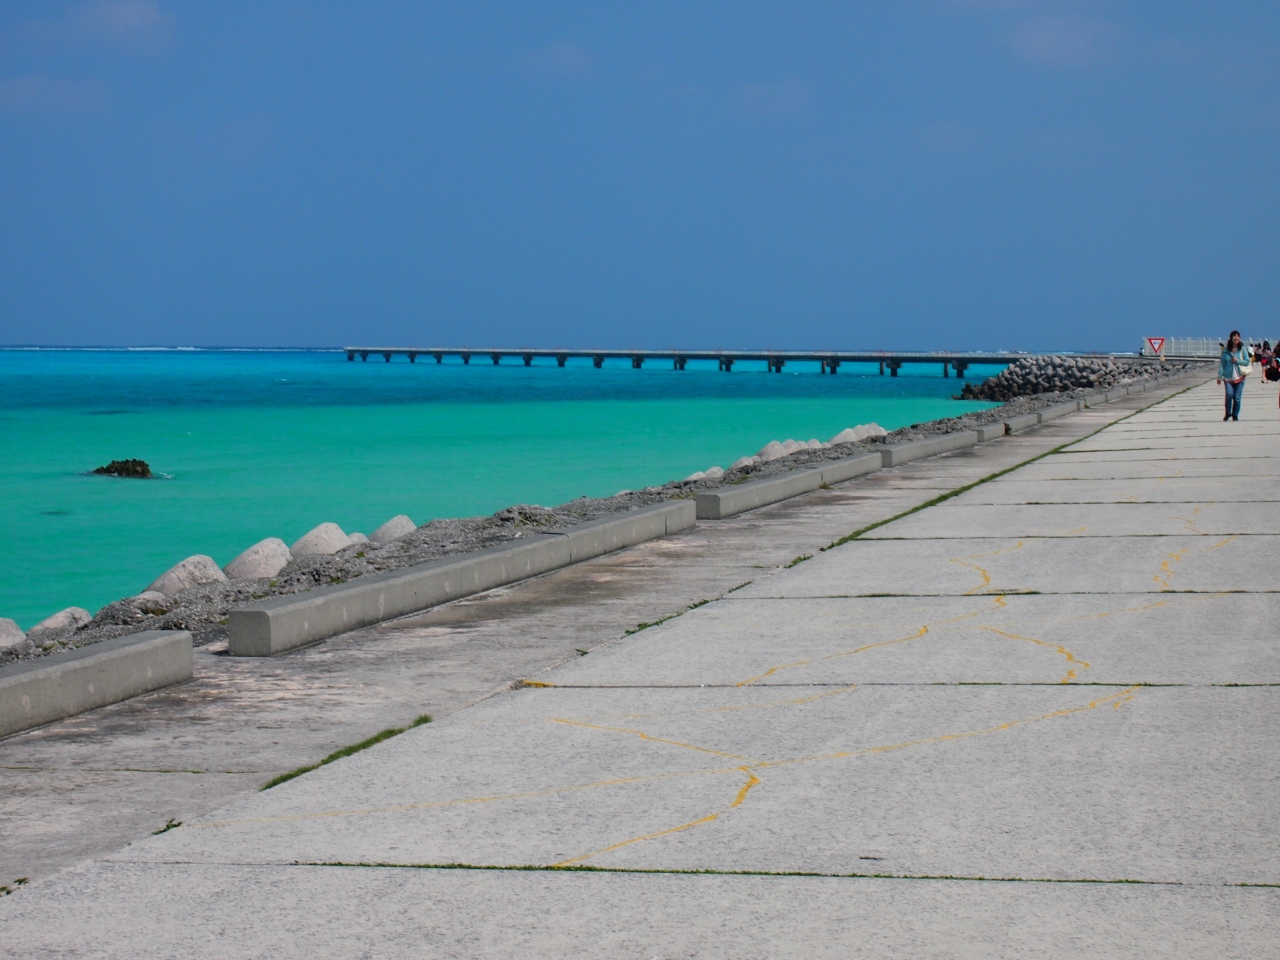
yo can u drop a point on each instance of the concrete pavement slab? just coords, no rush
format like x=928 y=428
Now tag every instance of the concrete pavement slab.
x=1256 y=489
x=955 y=519
x=1003 y=565
x=1094 y=638
x=176 y=912
x=980 y=781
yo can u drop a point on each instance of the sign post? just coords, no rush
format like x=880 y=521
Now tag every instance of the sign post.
x=1157 y=346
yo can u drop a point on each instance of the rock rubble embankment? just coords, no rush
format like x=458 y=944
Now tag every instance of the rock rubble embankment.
x=1031 y=376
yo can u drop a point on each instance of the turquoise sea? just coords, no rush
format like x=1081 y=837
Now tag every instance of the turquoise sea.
x=270 y=443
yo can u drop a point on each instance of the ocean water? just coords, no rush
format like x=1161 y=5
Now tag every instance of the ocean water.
x=263 y=443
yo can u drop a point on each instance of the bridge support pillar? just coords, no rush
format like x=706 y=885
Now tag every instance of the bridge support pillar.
x=439 y=357
x=387 y=357
x=893 y=366
x=496 y=358
x=882 y=368
x=946 y=369
x=598 y=361
x=726 y=364
x=466 y=359
x=528 y=359
x=351 y=355
x=775 y=364
x=364 y=356
x=413 y=357
x=960 y=369
x=830 y=366
x=560 y=359
x=637 y=363
x=677 y=363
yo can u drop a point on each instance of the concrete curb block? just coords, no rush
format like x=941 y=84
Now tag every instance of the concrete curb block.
x=1024 y=422
x=733 y=500
x=282 y=623
x=35 y=692
x=905 y=452
x=1056 y=411
x=990 y=431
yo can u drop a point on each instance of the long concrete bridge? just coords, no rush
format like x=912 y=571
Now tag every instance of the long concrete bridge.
x=829 y=361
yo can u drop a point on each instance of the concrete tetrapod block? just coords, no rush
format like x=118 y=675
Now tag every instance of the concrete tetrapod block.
x=33 y=692
x=733 y=500
x=900 y=453
x=272 y=626
x=1056 y=411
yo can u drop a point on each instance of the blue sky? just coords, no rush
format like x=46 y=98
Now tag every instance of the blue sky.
x=932 y=174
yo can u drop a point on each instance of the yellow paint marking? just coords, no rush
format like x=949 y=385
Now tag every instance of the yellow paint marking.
x=1190 y=524
x=849 y=653
x=435 y=804
x=1000 y=601
x=644 y=736
x=986 y=577
x=737 y=802
x=535 y=683
x=1116 y=700
x=733 y=708
x=1164 y=578
x=1177 y=555
x=1056 y=648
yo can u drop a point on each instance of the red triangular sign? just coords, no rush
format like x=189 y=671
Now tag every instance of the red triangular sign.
x=1157 y=344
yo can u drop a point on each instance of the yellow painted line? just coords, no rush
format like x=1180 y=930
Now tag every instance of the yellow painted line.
x=986 y=576
x=733 y=708
x=644 y=736
x=737 y=802
x=1055 y=647
x=1116 y=700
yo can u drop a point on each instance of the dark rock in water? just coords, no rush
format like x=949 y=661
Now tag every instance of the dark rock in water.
x=125 y=468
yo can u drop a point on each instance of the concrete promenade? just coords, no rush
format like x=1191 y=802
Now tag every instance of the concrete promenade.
x=1037 y=719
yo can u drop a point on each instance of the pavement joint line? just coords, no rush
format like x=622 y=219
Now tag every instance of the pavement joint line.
x=891 y=683
x=999 y=473
x=572 y=868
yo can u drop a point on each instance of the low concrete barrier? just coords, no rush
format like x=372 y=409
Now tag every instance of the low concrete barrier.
x=1056 y=411
x=901 y=453
x=1024 y=422
x=33 y=692
x=272 y=626
x=729 y=501
x=989 y=431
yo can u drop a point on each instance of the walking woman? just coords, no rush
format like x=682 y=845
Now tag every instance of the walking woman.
x=1233 y=367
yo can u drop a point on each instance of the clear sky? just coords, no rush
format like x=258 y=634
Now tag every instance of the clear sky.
x=929 y=174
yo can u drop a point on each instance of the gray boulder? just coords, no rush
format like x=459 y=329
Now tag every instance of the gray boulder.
x=324 y=540
x=192 y=572
x=11 y=634
x=395 y=528
x=61 y=624
x=265 y=558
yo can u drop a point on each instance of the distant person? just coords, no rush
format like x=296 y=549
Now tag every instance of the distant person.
x=1233 y=367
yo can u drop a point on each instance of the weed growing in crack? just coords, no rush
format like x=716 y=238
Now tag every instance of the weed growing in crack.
x=346 y=752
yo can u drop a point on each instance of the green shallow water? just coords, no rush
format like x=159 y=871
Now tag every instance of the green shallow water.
x=270 y=444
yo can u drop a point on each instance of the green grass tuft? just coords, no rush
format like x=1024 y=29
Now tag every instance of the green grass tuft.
x=346 y=752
